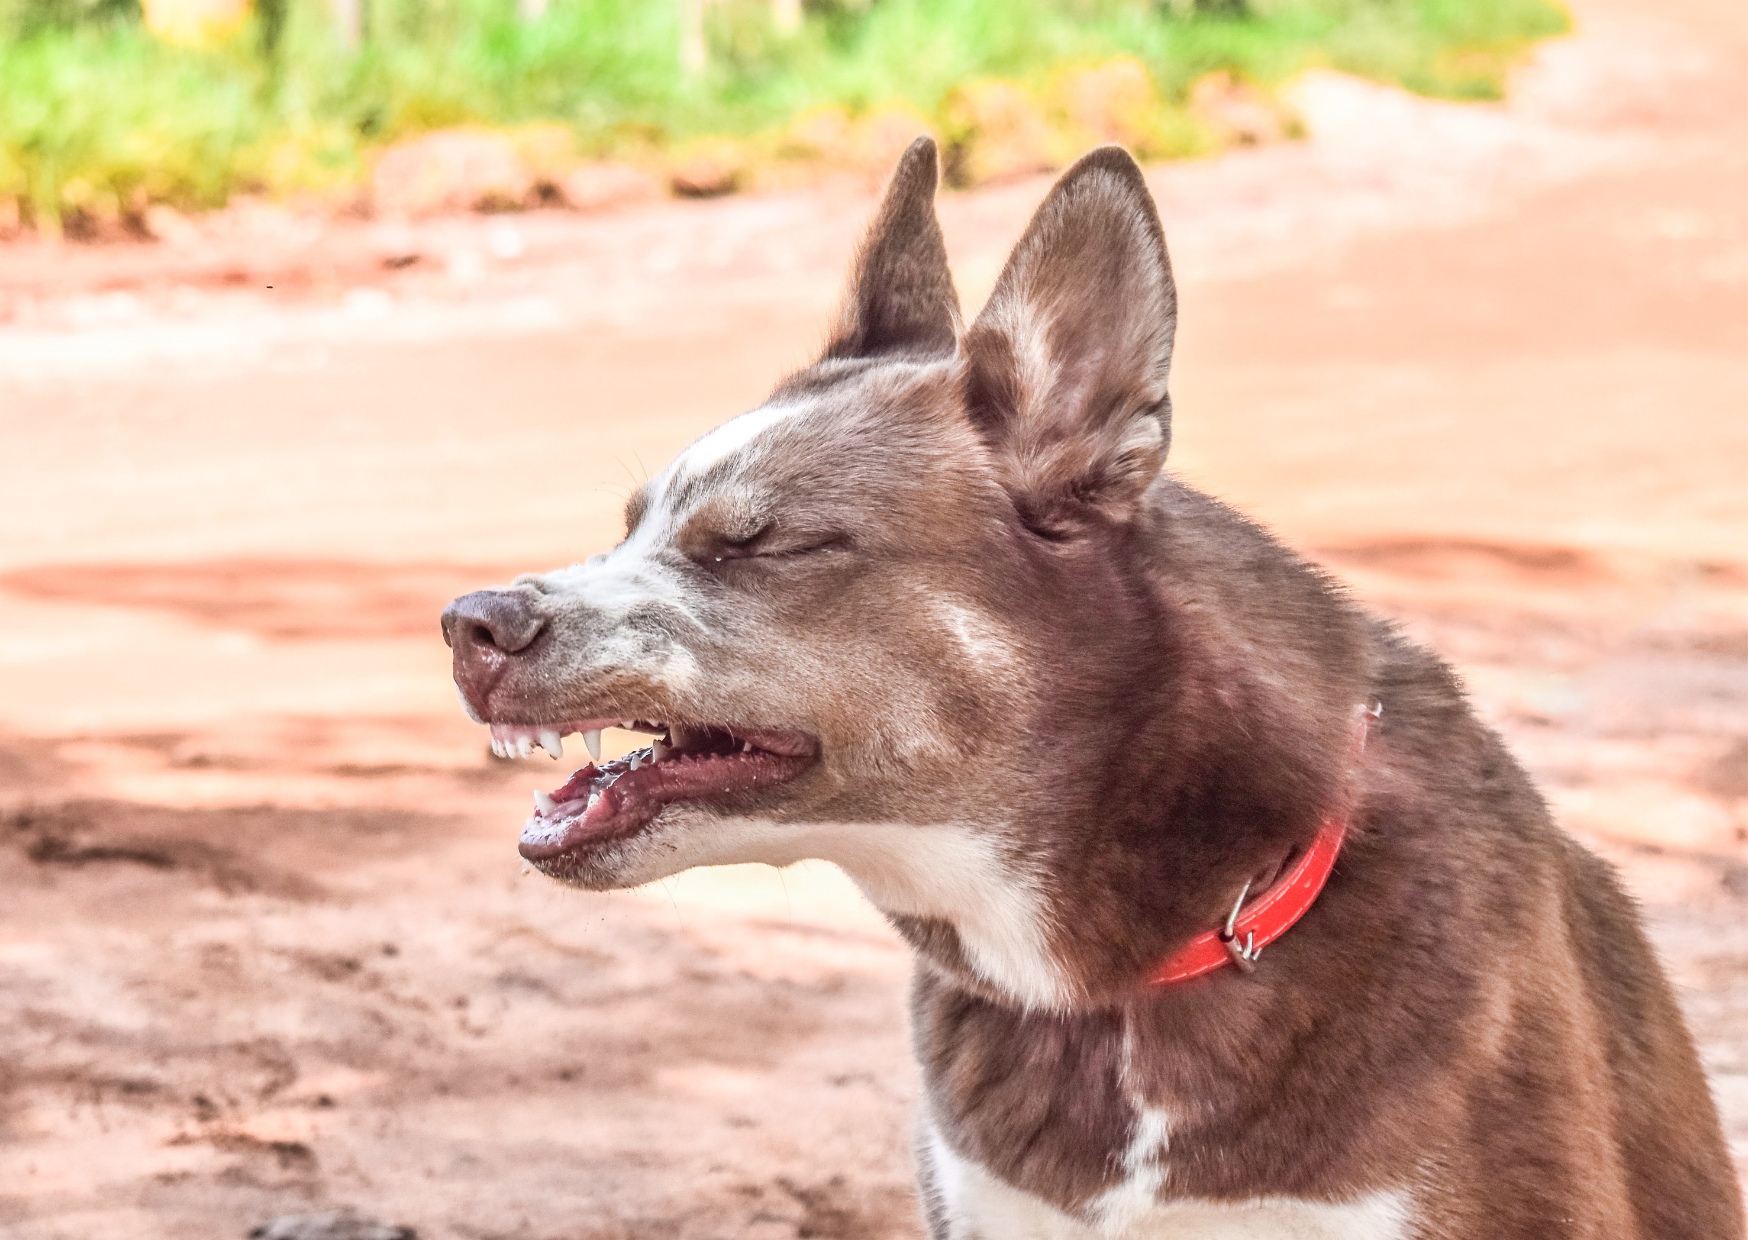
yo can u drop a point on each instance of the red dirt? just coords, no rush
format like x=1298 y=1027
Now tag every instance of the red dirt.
x=264 y=947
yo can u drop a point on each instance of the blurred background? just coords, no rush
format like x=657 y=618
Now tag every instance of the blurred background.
x=114 y=113
x=314 y=315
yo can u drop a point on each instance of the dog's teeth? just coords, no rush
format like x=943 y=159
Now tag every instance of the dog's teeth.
x=746 y=746
x=497 y=748
x=550 y=741
x=592 y=742
x=524 y=746
x=544 y=803
x=634 y=762
x=657 y=752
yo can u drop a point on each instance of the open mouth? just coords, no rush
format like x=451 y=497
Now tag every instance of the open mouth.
x=606 y=801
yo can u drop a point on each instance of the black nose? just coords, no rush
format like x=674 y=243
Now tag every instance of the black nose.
x=488 y=620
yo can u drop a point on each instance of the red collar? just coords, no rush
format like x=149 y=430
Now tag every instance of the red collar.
x=1266 y=919
x=1250 y=929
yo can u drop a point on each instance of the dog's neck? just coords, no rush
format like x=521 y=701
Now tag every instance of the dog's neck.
x=1275 y=897
x=1031 y=951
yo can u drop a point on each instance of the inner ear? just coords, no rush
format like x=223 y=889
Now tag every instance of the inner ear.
x=1066 y=366
x=901 y=300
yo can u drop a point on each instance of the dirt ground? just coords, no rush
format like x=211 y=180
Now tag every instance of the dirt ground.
x=264 y=944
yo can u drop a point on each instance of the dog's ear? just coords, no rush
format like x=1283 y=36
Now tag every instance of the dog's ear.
x=1066 y=366
x=901 y=300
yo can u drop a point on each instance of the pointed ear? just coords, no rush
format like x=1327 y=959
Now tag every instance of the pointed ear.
x=901 y=299
x=1066 y=366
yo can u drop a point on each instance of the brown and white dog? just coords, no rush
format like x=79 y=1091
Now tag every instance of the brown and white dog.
x=934 y=613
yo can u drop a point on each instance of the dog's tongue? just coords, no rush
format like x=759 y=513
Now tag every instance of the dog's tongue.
x=580 y=784
x=618 y=798
x=587 y=805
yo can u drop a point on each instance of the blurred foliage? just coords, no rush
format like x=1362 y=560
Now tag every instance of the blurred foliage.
x=99 y=119
x=26 y=17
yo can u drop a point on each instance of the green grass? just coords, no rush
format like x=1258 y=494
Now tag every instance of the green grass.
x=98 y=118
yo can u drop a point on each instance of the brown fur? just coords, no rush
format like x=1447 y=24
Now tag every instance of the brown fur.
x=1149 y=702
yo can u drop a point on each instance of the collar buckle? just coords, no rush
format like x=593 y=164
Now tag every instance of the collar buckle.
x=1244 y=956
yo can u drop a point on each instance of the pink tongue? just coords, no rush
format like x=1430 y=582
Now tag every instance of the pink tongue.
x=577 y=787
x=608 y=813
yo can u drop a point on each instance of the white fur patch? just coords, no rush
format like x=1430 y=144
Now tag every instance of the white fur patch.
x=732 y=436
x=957 y=874
x=980 y=1207
x=1129 y=1203
x=952 y=873
x=983 y=641
x=625 y=578
x=631 y=575
x=1123 y=1205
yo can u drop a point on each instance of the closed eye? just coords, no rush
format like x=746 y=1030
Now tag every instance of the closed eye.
x=740 y=548
x=767 y=544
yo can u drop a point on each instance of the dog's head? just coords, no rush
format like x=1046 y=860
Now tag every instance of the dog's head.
x=903 y=616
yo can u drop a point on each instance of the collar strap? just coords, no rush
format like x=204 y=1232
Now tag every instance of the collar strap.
x=1270 y=916
x=1248 y=930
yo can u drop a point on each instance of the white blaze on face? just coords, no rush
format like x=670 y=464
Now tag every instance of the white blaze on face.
x=732 y=438
x=635 y=575
x=619 y=581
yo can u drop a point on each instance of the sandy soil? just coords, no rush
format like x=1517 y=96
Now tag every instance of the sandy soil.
x=264 y=946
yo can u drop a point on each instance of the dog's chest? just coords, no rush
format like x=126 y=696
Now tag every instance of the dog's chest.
x=972 y=1204
x=1034 y=1129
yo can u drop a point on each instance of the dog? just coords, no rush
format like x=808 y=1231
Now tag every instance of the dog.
x=1092 y=741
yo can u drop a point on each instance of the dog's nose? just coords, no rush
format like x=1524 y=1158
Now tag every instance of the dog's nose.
x=491 y=620
x=484 y=629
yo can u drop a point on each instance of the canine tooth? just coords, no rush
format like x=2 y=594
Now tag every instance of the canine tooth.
x=746 y=746
x=657 y=752
x=544 y=803
x=552 y=743
x=592 y=742
x=634 y=762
